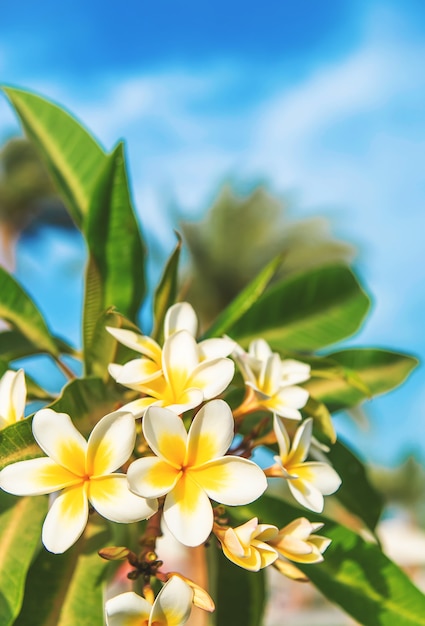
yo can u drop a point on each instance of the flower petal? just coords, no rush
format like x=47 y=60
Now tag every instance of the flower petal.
x=179 y=359
x=138 y=407
x=282 y=438
x=306 y=494
x=111 y=443
x=294 y=372
x=152 y=477
x=35 y=477
x=138 y=372
x=212 y=377
x=127 y=609
x=287 y=401
x=13 y=394
x=166 y=435
x=112 y=498
x=188 y=512
x=259 y=349
x=141 y=343
x=289 y=570
x=251 y=561
x=301 y=443
x=322 y=475
x=270 y=375
x=231 y=480
x=215 y=348
x=210 y=433
x=60 y=440
x=173 y=604
x=66 y=519
x=180 y=316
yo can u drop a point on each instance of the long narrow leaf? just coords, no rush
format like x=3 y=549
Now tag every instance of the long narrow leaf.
x=306 y=312
x=245 y=300
x=67 y=589
x=378 y=370
x=20 y=523
x=17 y=308
x=354 y=574
x=72 y=155
x=116 y=250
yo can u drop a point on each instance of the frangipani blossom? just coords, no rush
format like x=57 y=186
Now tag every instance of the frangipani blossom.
x=190 y=468
x=297 y=543
x=307 y=481
x=183 y=373
x=83 y=472
x=273 y=381
x=245 y=545
x=13 y=393
x=172 y=607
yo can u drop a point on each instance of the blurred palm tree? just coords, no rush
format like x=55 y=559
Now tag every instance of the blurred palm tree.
x=27 y=196
x=239 y=235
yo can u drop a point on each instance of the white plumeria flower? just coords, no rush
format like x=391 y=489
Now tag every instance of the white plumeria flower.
x=185 y=381
x=297 y=542
x=163 y=375
x=307 y=481
x=83 y=472
x=191 y=467
x=172 y=607
x=245 y=545
x=13 y=393
x=273 y=380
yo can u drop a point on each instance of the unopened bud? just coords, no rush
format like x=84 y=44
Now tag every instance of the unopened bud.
x=114 y=553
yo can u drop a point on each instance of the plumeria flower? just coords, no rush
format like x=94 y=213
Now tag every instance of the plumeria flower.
x=273 y=381
x=172 y=607
x=181 y=374
x=13 y=393
x=307 y=481
x=296 y=542
x=189 y=468
x=83 y=472
x=245 y=545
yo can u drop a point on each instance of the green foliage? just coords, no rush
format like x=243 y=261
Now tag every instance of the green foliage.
x=72 y=156
x=17 y=308
x=354 y=574
x=73 y=579
x=300 y=301
x=306 y=312
x=19 y=542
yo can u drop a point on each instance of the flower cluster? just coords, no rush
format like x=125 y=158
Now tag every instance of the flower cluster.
x=182 y=467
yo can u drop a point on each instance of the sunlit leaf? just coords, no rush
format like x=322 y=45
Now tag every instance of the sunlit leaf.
x=115 y=275
x=354 y=574
x=67 y=589
x=17 y=443
x=306 y=312
x=244 y=300
x=17 y=308
x=379 y=371
x=356 y=492
x=239 y=596
x=20 y=524
x=72 y=155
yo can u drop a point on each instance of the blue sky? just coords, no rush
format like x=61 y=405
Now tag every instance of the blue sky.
x=323 y=101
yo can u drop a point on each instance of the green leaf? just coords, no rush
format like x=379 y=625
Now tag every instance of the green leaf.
x=356 y=492
x=378 y=370
x=66 y=589
x=240 y=595
x=19 y=541
x=305 y=312
x=166 y=292
x=354 y=574
x=72 y=155
x=244 y=300
x=17 y=443
x=115 y=274
x=17 y=308
x=87 y=400
x=322 y=420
